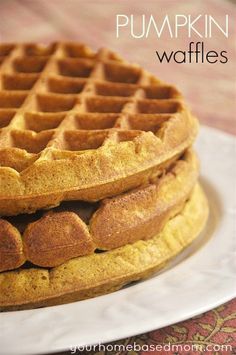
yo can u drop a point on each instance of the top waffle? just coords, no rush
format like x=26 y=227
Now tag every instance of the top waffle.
x=78 y=124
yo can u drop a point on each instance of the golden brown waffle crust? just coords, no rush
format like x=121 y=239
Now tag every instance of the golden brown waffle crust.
x=97 y=274
x=83 y=125
x=57 y=237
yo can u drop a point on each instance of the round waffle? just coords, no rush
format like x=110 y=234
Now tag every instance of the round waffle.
x=82 y=125
x=96 y=274
x=49 y=239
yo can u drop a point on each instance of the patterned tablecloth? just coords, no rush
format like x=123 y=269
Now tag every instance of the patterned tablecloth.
x=209 y=88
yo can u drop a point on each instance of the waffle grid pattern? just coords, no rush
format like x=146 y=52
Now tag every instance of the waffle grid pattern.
x=65 y=96
x=82 y=125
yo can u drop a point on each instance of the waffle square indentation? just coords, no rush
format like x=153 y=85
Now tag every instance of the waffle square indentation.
x=94 y=121
x=29 y=64
x=54 y=102
x=160 y=92
x=32 y=143
x=19 y=81
x=158 y=106
x=65 y=85
x=75 y=67
x=6 y=117
x=111 y=89
x=84 y=140
x=75 y=50
x=105 y=105
x=38 y=122
x=10 y=99
x=121 y=73
x=5 y=49
x=39 y=49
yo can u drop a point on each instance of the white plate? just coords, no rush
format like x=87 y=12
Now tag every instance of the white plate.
x=189 y=286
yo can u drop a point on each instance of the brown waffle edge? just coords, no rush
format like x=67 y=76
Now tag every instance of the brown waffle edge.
x=56 y=237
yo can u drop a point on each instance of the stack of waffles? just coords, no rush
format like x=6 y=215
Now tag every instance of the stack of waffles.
x=98 y=179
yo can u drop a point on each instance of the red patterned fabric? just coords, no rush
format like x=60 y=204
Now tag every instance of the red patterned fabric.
x=212 y=328
x=209 y=88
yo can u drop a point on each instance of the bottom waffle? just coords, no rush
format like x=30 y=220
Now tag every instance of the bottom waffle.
x=92 y=275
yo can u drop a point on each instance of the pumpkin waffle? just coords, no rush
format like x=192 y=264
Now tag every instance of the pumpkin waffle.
x=51 y=238
x=82 y=125
x=100 y=273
